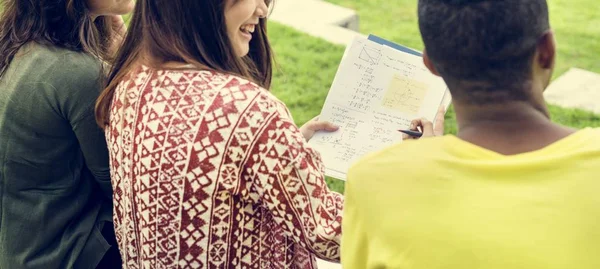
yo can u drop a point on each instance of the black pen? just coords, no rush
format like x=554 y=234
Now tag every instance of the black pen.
x=411 y=133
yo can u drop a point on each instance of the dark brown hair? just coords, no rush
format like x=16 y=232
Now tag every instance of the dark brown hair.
x=61 y=23
x=484 y=49
x=187 y=31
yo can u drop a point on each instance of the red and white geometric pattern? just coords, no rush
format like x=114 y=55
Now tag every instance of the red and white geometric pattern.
x=210 y=171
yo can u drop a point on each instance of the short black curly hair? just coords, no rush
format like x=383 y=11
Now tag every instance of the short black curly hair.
x=485 y=48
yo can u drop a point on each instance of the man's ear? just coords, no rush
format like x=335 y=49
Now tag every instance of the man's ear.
x=429 y=64
x=546 y=50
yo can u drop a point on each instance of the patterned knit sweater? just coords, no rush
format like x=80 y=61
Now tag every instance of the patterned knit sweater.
x=210 y=171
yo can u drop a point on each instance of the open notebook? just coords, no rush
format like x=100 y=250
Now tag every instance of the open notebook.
x=379 y=88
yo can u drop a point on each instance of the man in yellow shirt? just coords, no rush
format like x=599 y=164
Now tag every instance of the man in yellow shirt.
x=512 y=190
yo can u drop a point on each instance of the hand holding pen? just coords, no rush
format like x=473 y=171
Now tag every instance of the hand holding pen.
x=425 y=128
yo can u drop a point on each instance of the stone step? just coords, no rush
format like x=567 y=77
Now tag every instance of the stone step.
x=314 y=11
x=338 y=25
x=576 y=88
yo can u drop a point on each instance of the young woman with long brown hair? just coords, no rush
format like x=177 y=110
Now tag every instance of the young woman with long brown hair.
x=208 y=168
x=55 y=193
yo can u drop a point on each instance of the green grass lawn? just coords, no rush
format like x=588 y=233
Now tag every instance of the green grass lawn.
x=307 y=65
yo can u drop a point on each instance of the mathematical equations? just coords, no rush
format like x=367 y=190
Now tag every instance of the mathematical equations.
x=378 y=90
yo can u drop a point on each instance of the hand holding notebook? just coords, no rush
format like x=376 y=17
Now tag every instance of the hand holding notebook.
x=379 y=88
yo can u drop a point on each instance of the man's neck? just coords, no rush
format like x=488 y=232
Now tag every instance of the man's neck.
x=508 y=128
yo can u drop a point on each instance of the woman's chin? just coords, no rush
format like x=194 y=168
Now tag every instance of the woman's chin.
x=242 y=50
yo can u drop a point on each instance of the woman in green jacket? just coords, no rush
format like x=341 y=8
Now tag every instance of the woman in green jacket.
x=55 y=193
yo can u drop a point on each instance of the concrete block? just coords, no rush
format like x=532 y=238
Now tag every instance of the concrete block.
x=576 y=88
x=314 y=11
x=318 y=18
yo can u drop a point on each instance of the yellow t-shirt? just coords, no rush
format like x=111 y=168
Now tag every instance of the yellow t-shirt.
x=445 y=203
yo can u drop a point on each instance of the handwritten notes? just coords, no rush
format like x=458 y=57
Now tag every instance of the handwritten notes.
x=376 y=92
x=370 y=55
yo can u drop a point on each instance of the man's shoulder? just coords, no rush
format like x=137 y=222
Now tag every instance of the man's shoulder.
x=594 y=132
x=588 y=139
x=400 y=156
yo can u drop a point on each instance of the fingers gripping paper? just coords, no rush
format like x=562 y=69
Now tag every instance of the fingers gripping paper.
x=377 y=91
